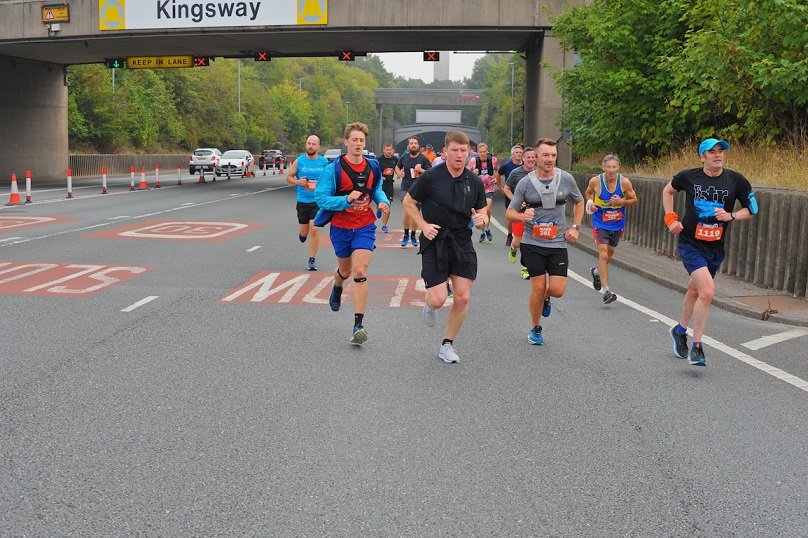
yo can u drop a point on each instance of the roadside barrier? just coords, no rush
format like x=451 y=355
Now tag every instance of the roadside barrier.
x=179 y=174
x=143 y=185
x=69 y=183
x=156 y=176
x=132 y=178
x=27 y=186
x=103 y=180
x=14 y=196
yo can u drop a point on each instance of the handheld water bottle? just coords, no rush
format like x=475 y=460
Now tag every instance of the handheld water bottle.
x=753 y=205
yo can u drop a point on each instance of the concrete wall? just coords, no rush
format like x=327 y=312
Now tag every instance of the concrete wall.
x=770 y=250
x=33 y=107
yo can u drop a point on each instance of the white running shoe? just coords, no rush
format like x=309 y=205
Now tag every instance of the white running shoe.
x=428 y=315
x=447 y=354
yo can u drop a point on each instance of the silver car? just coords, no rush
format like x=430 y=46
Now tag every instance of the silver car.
x=203 y=159
x=234 y=162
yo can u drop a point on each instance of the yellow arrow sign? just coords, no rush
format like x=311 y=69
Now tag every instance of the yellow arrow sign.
x=159 y=62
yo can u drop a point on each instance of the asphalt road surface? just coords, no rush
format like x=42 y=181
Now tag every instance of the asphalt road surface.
x=169 y=368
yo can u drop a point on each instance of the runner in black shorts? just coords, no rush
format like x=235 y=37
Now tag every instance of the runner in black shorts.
x=450 y=195
x=303 y=175
x=388 y=163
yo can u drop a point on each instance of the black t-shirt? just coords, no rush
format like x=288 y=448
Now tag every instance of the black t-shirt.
x=703 y=194
x=447 y=201
x=388 y=165
x=407 y=163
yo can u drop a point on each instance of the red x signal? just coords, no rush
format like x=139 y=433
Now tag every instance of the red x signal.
x=431 y=56
x=346 y=56
x=262 y=56
x=201 y=61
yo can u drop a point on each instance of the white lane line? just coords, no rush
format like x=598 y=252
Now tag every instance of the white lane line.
x=732 y=352
x=774 y=339
x=253 y=249
x=140 y=303
x=120 y=217
x=9 y=239
x=188 y=203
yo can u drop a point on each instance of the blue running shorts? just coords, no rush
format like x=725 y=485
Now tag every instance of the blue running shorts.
x=694 y=258
x=345 y=240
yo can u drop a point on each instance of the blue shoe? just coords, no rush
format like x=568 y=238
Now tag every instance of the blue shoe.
x=697 y=356
x=489 y=235
x=679 y=343
x=535 y=337
x=404 y=241
x=482 y=238
x=414 y=241
x=312 y=265
x=385 y=229
x=335 y=299
x=359 y=336
x=547 y=308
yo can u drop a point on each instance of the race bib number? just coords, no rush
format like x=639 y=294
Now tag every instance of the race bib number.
x=709 y=232
x=545 y=230
x=359 y=205
x=387 y=172
x=311 y=184
x=612 y=216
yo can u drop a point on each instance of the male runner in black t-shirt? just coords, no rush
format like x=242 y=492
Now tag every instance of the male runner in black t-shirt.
x=710 y=195
x=449 y=195
x=388 y=163
x=412 y=164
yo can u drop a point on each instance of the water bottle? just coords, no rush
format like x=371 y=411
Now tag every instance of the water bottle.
x=753 y=205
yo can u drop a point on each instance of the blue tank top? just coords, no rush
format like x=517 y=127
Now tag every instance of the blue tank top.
x=311 y=170
x=607 y=217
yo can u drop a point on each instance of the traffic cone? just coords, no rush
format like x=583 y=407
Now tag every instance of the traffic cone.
x=103 y=180
x=143 y=185
x=27 y=186
x=69 y=183
x=202 y=176
x=156 y=176
x=179 y=175
x=14 y=197
x=132 y=178
x=283 y=162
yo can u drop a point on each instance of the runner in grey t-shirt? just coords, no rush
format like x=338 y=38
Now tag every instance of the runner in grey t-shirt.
x=516 y=175
x=544 y=251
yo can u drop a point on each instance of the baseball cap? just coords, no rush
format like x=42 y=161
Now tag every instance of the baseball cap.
x=710 y=143
x=429 y=146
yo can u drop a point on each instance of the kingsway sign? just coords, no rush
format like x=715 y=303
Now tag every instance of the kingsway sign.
x=155 y=14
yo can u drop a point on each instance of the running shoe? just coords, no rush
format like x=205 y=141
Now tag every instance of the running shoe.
x=428 y=315
x=511 y=255
x=404 y=241
x=447 y=354
x=525 y=273
x=697 y=356
x=385 y=229
x=335 y=299
x=547 y=308
x=302 y=238
x=509 y=239
x=482 y=238
x=449 y=292
x=595 y=279
x=609 y=297
x=535 y=337
x=414 y=241
x=679 y=343
x=489 y=235
x=312 y=265
x=359 y=337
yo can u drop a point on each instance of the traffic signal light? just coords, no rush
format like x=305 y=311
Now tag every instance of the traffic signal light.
x=201 y=61
x=431 y=56
x=116 y=63
x=347 y=56
x=261 y=56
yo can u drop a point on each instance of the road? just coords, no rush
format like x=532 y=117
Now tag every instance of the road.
x=170 y=369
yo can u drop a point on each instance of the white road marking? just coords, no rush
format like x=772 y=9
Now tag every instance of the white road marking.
x=253 y=249
x=120 y=217
x=9 y=239
x=774 y=339
x=732 y=352
x=140 y=303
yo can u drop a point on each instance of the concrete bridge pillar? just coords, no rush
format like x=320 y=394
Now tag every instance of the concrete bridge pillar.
x=33 y=119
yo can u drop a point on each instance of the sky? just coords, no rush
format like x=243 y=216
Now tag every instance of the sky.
x=412 y=64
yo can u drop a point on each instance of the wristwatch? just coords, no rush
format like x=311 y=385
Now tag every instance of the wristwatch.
x=576 y=226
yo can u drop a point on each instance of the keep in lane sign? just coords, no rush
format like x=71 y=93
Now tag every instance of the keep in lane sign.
x=157 y=62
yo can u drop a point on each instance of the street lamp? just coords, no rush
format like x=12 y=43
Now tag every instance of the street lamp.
x=512 y=66
x=346 y=111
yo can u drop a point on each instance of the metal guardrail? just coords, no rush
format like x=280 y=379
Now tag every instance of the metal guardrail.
x=87 y=165
x=771 y=250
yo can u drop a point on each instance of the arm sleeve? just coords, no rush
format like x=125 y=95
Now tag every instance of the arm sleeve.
x=324 y=194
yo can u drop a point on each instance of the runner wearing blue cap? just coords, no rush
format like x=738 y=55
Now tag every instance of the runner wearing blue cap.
x=710 y=195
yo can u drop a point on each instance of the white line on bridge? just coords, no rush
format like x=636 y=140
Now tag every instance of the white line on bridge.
x=253 y=249
x=140 y=303
x=774 y=339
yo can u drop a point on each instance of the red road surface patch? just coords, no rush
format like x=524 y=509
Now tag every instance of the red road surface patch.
x=13 y=223
x=62 y=279
x=313 y=288
x=392 y=239
x=171 y=230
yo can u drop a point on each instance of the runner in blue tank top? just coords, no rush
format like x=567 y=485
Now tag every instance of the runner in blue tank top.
x=304 y=174
x=607 y=197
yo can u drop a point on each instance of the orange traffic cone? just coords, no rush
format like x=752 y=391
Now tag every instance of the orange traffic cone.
x=283 y=162
x=14 y=197
x=143 y=185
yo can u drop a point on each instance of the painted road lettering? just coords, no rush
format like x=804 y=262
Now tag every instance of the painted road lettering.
x=313 y=289
x=180 y=231
x=14 y=222
x=62 y=279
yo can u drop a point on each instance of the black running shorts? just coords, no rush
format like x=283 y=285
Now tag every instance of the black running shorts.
x=433 y=276
x=542 y=260
x=387 y=188
x=306 y=211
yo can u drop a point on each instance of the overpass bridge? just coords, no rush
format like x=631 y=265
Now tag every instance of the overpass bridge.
x=34 y=50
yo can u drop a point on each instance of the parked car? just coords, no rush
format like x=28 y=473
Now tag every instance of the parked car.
x=203 y=159
x=270 y=158
x=234 y=162
x=332 y=154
